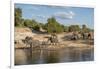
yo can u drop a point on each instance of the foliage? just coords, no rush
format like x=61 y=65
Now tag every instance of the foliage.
x=74 y=28
x=65 y=28
x=85 y=29
x=28 y=23
x=32 y=24
x=51 y=26
x=37 y=27
x=18 y=16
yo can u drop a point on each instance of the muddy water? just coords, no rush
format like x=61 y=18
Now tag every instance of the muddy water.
x=38 y=56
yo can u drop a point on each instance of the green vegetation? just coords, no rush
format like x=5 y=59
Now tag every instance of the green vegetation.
x=74 y=28
x=51 y=26
x=85 y=28
x=18 y=16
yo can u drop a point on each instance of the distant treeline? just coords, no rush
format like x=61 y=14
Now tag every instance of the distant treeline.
x=51 y=26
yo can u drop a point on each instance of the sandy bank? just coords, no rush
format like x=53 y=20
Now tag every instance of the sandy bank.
x=21 y=33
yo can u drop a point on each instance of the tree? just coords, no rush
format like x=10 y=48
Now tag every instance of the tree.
x=85 y=29
x=18 y=16
x=53 y=26
x=37 y=27
x=74 y=28
x=66 y=28
x=28 y=23
x=43 y=26
x=31 y=24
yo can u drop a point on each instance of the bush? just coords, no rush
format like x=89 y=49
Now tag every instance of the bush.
x=74 y=28
x=37 y=27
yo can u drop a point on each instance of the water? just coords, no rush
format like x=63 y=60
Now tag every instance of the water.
x=38 y=56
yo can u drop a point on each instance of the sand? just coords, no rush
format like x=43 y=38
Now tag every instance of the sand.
x=21 y=33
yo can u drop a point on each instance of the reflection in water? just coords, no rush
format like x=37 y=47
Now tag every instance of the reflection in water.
x=20 y=57
x=25 y=56
x=52 y=57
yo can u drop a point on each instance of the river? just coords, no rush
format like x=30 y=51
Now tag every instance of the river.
x=43 y=56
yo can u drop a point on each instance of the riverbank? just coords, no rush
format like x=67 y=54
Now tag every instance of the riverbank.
x=21 y=33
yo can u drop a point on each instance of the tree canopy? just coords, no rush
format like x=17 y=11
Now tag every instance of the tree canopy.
x=18 y=16
x=51 y=26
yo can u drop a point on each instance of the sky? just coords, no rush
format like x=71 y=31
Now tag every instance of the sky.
x=64 y=14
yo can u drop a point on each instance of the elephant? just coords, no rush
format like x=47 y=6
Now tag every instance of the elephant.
x=90 y=35
x=27 y=40
x=36 y=43
x=31 y=42
x=87 y=35
x=75 y=36
x=53 y=39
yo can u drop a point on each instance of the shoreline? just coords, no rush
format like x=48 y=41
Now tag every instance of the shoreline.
x=59 y=46
x=21 y=33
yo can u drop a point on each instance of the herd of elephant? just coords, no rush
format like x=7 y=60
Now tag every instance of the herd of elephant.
x=76 y=36
x=53 y=39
